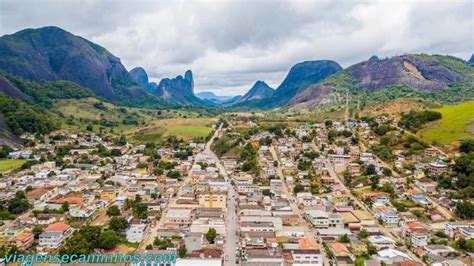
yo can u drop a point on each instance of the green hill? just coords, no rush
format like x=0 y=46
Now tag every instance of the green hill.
x=457 y=123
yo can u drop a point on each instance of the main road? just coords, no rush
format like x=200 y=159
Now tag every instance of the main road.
x=294 y=207
x=231 y=238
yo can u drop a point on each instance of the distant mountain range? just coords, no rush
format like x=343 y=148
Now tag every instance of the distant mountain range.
x=52 y=54
x=216 y=99
x=260 y=90
x=441 y=78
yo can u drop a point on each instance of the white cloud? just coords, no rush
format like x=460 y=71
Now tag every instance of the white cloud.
x=230 y=44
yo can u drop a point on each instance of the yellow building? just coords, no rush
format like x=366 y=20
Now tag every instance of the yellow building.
x=340 y=200
x=213 y=200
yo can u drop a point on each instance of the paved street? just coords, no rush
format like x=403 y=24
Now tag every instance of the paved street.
x=230 y=245
x=294 y=207
x=385 y=231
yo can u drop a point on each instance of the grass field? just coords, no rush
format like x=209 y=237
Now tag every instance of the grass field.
x=183 y=128
x=7 y=165
x=457 y=123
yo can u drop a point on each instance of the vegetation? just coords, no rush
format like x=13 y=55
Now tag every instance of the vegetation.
x=88 y=238
x=22 y=117
x=7 y=165
x=14 y=206
x=211 y=235
x=113 y=211
x=415 y=120
x=44 y=92
x=457 y=123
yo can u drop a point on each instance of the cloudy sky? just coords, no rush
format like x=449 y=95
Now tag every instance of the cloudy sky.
x=230 y=44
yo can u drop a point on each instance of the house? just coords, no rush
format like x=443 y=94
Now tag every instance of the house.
x=82 y=213
x=21 y=240
x=202 y=225
x=41 y=194
x=336 y=220
x=213 y=200
x=391 y=256
x=54 y=235
x=136 y=232
x=417 y=234
x=440 y=250
x=307 y=252
x=306 y=199
x=340 y=199
x=257 y=227
x=437 y=167
x=365 y=218
x=276 y=186
x=353 y=169
x=466 y=232
x=177 y=218
x=318 y=218
x=388 y=215
x=381 y=242
x=342 y=254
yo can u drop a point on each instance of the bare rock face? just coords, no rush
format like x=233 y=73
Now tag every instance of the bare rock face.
x=301 y=76
x=422 y=72
x=179 y=89
x=51 y=53
x=313 y=96
x=426 y=75
x=260 y=90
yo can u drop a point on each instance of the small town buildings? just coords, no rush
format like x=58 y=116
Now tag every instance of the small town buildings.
x=54 y=235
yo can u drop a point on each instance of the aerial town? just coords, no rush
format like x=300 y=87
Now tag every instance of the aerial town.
x=359 y=192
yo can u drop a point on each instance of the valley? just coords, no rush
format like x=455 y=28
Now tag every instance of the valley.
x=267 y=158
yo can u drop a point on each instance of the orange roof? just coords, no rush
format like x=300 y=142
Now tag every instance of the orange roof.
x=37 y=192
x=25 y=236
x=57 y=227
x=338 y=247
x=70 y=199
x=308 y=243
x=416 y=226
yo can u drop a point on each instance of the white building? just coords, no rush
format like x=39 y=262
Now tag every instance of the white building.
x=136 y=232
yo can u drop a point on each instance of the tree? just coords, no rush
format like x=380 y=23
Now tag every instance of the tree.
x=182 y=251
x=113 y=211
x=118 y=224
x=65 y=206
x=211 y=235
x=386 y=172
x=370 y=170
x=467 y=146
x=122 y=141
x=140 y=210
x=89 y=127
x=371 y=249
x=374 y=182
x=465 y=209
x=18 y=204
x=363 y=234
x=108 y=239
x=298 y=188
x=162 y=244
x=37 y=230
x=344 y=239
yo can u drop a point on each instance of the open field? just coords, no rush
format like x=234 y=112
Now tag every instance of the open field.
x=457 y=123
x=183 y=128
x=7 y=165
x=397 y=106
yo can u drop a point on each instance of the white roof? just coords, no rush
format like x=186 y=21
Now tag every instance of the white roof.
x=317 y=213
x=392 y=253
x=380 y=239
